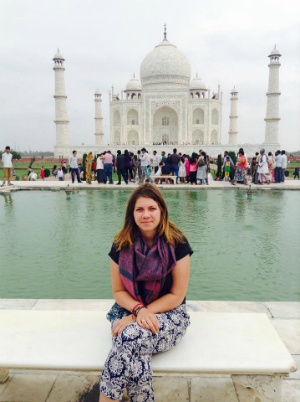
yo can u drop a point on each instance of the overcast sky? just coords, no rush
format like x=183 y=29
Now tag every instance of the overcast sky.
x=104 y=43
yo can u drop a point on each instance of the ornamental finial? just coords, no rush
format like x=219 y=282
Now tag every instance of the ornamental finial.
x=165 y=32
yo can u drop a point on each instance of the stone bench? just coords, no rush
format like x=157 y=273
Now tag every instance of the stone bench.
x=163 y=177
x=246 y=346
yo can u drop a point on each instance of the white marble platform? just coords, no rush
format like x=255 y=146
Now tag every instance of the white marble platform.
x=63 y=185
x=53 y=386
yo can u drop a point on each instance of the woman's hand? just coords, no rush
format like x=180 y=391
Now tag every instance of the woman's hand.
x=121 y=324
x=148 y=320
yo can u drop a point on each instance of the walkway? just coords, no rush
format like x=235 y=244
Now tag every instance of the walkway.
x=63 y=185
x=53 y=386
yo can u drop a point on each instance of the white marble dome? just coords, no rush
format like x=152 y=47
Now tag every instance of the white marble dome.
x=165 y=64
x=197 y=83
x=275 y=52
x=58 y=56
x=133 y=85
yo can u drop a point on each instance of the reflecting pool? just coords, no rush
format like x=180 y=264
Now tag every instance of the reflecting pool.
x=245 y=248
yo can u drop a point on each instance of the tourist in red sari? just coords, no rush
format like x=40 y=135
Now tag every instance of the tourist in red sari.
x=241 y=169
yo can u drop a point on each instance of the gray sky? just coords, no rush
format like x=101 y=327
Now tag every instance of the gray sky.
x=104 y=43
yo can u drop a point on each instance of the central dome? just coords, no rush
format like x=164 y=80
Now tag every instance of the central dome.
x=165 y=64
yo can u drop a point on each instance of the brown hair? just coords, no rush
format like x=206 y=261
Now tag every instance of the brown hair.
x=130 y=231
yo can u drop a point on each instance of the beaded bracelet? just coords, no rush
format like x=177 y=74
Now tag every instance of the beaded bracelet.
x=139 y=309
x=135 y=308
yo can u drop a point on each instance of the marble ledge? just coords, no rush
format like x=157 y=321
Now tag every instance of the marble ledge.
x=278 y=310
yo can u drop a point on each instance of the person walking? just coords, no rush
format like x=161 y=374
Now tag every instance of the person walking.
x=175 y=159
x=138 y=166
x=7 y=166
x=100 y=169
x=241 y=169
x=263 y=169
x=182 y=171
x=187 y=168
x=42 y=173
x=156 y=161
x=296 y=173
x=108 y=167
x=88 y=168
x=278 y=160
x=283 y=165
x=201 y=168
x=145 y=162
x=120 y=167
x=127 y=165
x=150 y=260
x=272 y=166
x=73 y=165
x=193 y=168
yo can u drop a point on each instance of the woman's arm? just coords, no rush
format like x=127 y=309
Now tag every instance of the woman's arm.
x=180 y=275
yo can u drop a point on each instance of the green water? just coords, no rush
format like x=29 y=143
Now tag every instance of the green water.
x=244 y=248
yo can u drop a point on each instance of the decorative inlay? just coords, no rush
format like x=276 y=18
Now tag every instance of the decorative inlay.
x=158 y=104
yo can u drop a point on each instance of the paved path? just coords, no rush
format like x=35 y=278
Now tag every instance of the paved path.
x=67 y=184
x=53 y=386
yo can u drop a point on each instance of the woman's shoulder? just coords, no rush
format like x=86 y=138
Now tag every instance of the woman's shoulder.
x=182 y=249
x=114 y=254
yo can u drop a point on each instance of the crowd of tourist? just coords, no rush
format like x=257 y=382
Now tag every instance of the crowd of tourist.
x=165 y=168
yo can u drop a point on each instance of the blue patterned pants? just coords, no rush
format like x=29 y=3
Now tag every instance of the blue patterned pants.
x=129 y=361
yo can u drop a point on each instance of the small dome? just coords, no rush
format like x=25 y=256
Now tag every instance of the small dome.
x=275 y=52
x=133 y=85
x=197 y=83
x=234 y=91
x=165 y=64
x=58 y=56
x=97 y=92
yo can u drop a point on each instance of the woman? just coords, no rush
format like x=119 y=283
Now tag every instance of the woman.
x=150 y=273
x=187 y=168
x=241 y=169
x=263 y=169
x=182 y=171
x=88 y=168
x=127 y=165
x=272 y=166
x=193 y=168
x=202 y=169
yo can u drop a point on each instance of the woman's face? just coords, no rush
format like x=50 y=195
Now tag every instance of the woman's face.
x=147 y=215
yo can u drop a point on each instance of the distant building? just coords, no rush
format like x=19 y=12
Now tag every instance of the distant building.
x=165 y=107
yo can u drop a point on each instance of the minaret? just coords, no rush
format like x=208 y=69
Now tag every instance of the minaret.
x=233 y=130
x=98 y=118
x=61 y=118
x=272 y=116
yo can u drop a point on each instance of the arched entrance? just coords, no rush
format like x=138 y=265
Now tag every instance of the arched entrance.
x=165 y=126
x=133 y=138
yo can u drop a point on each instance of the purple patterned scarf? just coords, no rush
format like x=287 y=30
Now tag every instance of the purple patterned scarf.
x=148 y=265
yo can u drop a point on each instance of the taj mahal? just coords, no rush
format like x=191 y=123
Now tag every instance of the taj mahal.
x=166 y=108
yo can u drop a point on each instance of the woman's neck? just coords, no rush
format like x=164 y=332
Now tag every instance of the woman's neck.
x=149 y=238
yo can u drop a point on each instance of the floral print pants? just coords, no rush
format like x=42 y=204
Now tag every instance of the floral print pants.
x=129 y=361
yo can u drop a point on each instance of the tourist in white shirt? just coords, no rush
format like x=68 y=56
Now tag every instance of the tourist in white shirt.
x=100 y=169
x=156 y=161
x=283 y=164
x=145 y=162
x=73 y=164
x=7 y=166
x=60 y=174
